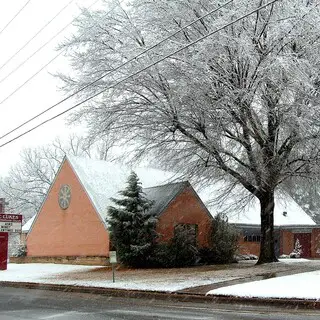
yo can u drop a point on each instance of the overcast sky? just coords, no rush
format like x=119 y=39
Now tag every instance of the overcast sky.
x=41 y=92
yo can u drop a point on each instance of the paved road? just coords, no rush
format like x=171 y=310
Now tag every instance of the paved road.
x=17 y=304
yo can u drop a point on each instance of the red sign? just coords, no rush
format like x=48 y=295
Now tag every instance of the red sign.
x=3 y=250
x=10 y=222
x=6 y=217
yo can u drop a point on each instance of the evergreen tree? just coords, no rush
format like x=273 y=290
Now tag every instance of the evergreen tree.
x=223 y=242
x=131 y=224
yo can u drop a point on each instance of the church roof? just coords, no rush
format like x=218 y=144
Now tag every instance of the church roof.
x=163 y=195
x=103 y=180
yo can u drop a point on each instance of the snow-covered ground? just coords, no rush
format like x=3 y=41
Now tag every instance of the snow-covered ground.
x=299 y=286
x=303 y=285
x=71 y=275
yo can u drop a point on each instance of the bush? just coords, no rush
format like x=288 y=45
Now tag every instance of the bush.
x=181 y=251
x=21 y=251
x=297 y=251
x=223 y=242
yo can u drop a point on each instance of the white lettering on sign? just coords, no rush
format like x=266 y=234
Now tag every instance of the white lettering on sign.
x=10 y=217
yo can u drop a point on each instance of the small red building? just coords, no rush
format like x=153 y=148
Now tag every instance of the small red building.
x=71 y=222
x=291 y=223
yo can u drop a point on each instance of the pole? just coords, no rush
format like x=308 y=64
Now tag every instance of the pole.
x=113 y=280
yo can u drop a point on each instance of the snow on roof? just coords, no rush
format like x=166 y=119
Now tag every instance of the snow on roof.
x=286 y=212
x=162 y=195
x=103 y=180
x=26 y=227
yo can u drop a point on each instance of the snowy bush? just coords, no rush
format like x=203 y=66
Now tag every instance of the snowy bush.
x=240 y=257
x=21 y=251
x=297 y=251
x=181 y=251
x=284 y=256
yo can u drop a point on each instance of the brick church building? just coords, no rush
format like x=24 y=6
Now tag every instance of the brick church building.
x=70 y=224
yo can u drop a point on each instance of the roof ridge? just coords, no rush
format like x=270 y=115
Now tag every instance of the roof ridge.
x=168 y=184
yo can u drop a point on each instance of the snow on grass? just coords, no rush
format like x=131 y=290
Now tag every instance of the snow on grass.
x=37 y=272
x=298 y=286
x=67 y=275
x=299 y=260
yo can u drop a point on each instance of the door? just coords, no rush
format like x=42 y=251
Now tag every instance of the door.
x=3 y=250
x=305 y=243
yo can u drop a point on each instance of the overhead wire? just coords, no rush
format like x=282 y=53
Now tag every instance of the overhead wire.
x=142 y=70
x=14 y=17
x=39 y=49
x=115 y=69
x=42 y=68
x=36 y=34
x=30 y=78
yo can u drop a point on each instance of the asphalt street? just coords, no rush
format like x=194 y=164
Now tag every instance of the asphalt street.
x=40 y=304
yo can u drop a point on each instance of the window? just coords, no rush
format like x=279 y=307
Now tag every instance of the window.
x=252 y=238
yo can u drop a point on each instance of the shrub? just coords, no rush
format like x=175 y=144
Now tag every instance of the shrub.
x=297 y=251
x=223 y=242
x=181 y=251
x=21 y=251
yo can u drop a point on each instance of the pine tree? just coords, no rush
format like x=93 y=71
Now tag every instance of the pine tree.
x=131 y=224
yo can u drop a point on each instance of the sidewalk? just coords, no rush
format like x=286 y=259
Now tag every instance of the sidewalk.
x=207 y=283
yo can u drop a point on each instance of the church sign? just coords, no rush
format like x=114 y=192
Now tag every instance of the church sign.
x=10 y=222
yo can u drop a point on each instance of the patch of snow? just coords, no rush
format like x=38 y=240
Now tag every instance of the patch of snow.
x=294 y=260
x=30 y=272
x=51 y=274
x=26 y=227
x=298 y=286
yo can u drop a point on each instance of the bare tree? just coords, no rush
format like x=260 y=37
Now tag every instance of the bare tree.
x=242 y=105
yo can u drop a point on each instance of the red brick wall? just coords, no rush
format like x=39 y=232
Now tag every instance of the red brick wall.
x=286 y=242
x=76 y=231
x=248 y=247
x=186 y=208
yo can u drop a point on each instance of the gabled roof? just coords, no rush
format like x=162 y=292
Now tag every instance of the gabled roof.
x=163 y=195
x=103 y=180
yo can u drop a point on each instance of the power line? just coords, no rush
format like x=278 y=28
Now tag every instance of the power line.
x=41 y=69
x=36 y=34
x=142 y=70
x=30 y=78
x=40 y=48
x=115 y=69
x=15 y=16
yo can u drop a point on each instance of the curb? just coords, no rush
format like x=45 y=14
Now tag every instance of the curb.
x=162 y=295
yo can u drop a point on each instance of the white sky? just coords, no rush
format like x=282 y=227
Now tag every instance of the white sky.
x=41 y=92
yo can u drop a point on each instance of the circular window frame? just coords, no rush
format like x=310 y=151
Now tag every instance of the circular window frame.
x=64 y=197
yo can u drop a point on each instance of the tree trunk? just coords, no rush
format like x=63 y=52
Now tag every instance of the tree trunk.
x=267 y=252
